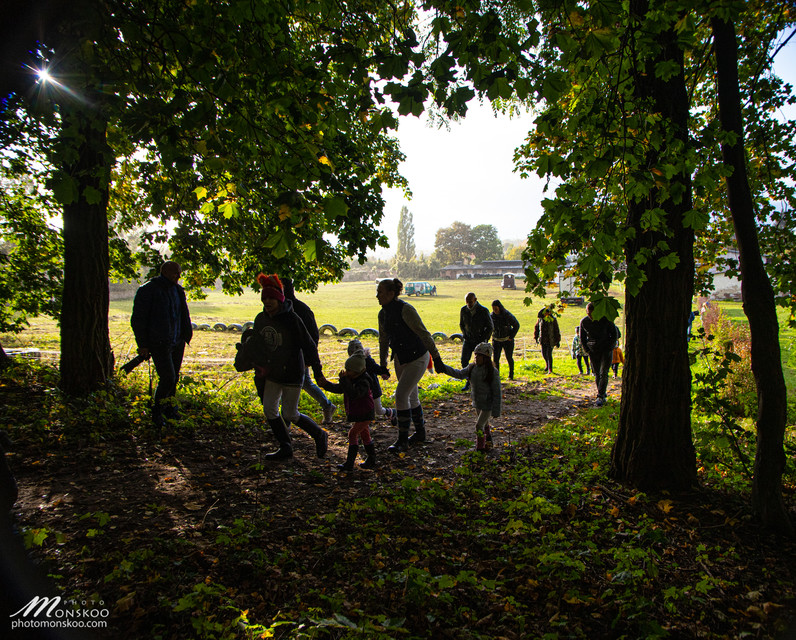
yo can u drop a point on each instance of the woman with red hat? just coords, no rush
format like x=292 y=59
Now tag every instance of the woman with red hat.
x=279 y=348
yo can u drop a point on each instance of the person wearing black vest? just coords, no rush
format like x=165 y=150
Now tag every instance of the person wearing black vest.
x=402 y=331
x=162 y=327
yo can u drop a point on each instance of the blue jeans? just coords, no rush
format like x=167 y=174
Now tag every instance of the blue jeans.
x=314 y=391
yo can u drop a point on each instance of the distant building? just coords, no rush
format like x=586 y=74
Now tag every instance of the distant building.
x=487 y=269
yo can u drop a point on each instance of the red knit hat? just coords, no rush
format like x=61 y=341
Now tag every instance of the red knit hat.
x=272 y=286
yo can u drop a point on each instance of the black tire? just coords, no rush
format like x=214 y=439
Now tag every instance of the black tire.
x=456 y=337
x=369 y=332
x=248 y=325
x=235 y=327
x=348 y=331
x=438 y=335
x=327 y=328
x=204 y=327
x=219 y=326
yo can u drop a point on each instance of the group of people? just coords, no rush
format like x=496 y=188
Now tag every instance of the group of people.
x=282 y=347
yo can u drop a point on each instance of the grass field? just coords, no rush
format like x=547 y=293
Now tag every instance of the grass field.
x=353 y=304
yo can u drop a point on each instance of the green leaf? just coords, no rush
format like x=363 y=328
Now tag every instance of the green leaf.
x=310 y=251
x=229 y=210
x=335 y=207
x=201 y=193
x=92 y=195
x=64 y=188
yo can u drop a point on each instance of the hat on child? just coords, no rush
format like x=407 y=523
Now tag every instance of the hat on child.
x=485 y=349
x=355 y=346
x=355 y=363
x=272 y=286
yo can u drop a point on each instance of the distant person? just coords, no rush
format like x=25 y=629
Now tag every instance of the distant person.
x=485 y=390
x=375 y=371
x=162 y=327
x=402 y=332
x=617 y=358
x=277 y=348
x=599 y=339
x=308 y=318
x=547 y=335
x=356 y=385
x=476 y=327
x=505 y=327
x=579 y=353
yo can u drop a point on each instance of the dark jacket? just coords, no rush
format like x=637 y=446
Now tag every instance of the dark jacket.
x=374 y=370
x=357 y=396
x=476 y=326
x=505 y=324
x=546 y=331
x=302 y=310
x=598 y=336
x=160 y=314
x=280 y=346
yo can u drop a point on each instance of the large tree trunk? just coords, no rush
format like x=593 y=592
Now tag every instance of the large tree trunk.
x=757 y=294
x=4 y=359
x=654 y=448
x=86 y=357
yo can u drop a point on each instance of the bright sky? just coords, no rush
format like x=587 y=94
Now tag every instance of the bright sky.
x=466 y=174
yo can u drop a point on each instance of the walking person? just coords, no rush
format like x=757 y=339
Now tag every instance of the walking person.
x=505 y=327
x=617 y=358
x=375 y=371
x=402 y=332
x=277 y=348
x=475 y=324
x=162 y=327
x=579 y=354
x=598 y=338
x=356 y=385
x=547 y=334
x=485 y=390
x=304 y=312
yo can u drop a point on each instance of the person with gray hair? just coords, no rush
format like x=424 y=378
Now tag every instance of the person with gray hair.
x=162 y=327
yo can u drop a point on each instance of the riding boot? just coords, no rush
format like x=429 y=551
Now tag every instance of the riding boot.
x=404 y=420
x=487 y=437
x=348 y=465
x=480 y=444
x=311 y=428
x=420 y=426
x=279 y=429
x=370 y=461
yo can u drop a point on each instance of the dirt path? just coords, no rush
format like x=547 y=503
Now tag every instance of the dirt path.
x=191 y=483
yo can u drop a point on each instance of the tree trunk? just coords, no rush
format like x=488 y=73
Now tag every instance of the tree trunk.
x=654 y=449
x=757 y=294
x=86 y=357
x=4 y=359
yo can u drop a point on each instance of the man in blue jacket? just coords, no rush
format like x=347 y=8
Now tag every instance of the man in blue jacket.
x=162 y=327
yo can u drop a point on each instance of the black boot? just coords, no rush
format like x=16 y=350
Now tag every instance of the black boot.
x=311 y=428
x=420 y=426
x=348 y=465
x=402 y=443
x=279 y=429
x=370 y=461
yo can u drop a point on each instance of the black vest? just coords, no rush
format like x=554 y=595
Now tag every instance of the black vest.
x=406 y=345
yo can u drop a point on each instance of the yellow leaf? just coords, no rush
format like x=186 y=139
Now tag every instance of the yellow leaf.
x=615 y=512
x=324 y=160
x=284 y=211
x=665 y=505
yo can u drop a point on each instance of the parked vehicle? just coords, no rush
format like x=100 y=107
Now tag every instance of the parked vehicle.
x=508 y=281
x=420 y=289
